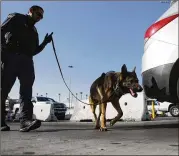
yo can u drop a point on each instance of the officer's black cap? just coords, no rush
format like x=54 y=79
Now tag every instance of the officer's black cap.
x=36 y=7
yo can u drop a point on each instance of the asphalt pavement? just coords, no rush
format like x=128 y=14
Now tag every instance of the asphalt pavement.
x=159 y=137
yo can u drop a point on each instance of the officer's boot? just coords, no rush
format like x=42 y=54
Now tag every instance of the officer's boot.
x=27 y=125
x=4 y=126
x=26 y=122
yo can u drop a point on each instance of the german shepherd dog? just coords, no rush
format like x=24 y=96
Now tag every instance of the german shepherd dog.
x=110 y=87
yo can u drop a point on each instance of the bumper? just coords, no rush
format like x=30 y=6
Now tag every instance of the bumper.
x=156 y=82
x=59 y=114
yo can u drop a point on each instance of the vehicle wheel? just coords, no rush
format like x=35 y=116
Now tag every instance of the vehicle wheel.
x=174 y=111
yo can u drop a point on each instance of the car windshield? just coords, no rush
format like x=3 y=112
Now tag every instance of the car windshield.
x=44 y=99
x=49 y=99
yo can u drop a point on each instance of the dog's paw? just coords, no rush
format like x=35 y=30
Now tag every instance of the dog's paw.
x=103 y=129
x=97 y=127
x=112 y=122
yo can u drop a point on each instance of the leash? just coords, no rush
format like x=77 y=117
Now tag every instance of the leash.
x=54 y=50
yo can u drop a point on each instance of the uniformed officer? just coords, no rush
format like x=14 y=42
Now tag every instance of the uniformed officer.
x=19 y=43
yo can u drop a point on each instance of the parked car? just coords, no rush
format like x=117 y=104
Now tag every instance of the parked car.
x=169 y=107
x=59 y=108
x=9 y=104
x=39 y=102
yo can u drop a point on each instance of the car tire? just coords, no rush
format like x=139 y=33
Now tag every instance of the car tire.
x=174 y=111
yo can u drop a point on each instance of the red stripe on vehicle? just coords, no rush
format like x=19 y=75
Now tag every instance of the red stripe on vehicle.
x=158 y=25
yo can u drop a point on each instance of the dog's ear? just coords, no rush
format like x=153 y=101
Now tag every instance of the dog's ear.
x=124 y=69
x=103 y=74
x=134 y=69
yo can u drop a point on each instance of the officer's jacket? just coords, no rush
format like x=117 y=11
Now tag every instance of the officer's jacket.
x=18 y=36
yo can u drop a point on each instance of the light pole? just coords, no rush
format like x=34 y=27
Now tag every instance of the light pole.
x=76 y=96
x=68 y=100
x=70 y=86
x=59 y=96
x=86 y=96
x=81 y=94
x=71 y=100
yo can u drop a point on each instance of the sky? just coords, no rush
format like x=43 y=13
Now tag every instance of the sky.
x=93 y=37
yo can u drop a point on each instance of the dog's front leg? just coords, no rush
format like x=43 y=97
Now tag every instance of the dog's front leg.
x=116 y=105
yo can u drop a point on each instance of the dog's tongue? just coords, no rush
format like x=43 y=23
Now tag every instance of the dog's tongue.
x=132 y=93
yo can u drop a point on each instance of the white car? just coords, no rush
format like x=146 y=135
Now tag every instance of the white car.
x=58 y=108
x=163 y=107
x=160 y=61
x=169 y=107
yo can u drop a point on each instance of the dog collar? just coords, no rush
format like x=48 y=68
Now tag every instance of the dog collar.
x=118 y=90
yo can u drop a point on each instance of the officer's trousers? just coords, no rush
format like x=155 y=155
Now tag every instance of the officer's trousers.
x=19 y=66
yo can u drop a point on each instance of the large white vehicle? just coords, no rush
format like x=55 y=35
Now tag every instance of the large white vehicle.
x=160 y=61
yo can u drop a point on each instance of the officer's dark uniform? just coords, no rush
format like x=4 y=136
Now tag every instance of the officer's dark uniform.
x=19 y=43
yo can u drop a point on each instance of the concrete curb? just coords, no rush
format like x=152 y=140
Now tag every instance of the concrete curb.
x=150 y=124
x=133 y=125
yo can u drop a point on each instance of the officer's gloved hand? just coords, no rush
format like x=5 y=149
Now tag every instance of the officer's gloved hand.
x=48 y=38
